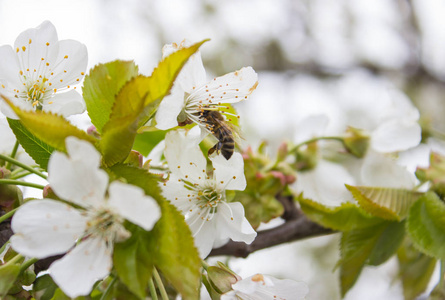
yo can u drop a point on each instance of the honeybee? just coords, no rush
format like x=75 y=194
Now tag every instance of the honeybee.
x=216 y=124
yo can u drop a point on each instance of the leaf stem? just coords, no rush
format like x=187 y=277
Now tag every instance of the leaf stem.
x=205 y=265
x=160 y=285
x=7 y=215
x=19 y=182
x=27 y=264
x=22 y=165
x=152 y=288
x=108 y=290
x=334 y=138
x=13 y=154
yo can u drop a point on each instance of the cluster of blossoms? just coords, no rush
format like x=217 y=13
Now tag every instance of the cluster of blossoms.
x=88 y=214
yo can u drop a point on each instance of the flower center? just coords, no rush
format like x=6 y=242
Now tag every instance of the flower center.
x=35 y=92
x=107 y=225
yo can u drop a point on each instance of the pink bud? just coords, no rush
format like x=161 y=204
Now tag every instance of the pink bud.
x=280 y=176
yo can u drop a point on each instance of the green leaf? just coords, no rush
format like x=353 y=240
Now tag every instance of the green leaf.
x=133 y=261
x=141 y=178
x=175 y=254
x=50 y=128
x=102 y=85
x=44 y=288
x=345 y=217
x=361 y=246
x=387 y=243
x=415 y=270
x=163 y=76
x=38 y=150
x=426 y=225
x=386 y=203
x=137 y=101
x=8 y=276
x=146 y=141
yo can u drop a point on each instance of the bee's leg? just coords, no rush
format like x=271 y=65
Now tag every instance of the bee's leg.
x=217 y=147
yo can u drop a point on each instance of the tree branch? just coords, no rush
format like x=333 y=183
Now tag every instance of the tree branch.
x=296 y=227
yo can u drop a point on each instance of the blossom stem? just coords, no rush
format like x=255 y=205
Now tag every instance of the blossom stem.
x=27 y=264
x=13 y=153
x=15 y=259
x=152 y=288
x=335 y=138
x=7 y=215
x=17 y=163
x=205 y=265
x=108 y=290
x=19 y=173
x=160 y=285
x=19 y=182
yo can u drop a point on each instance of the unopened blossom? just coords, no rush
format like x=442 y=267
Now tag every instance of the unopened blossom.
x=40 y=72
x=263 y=287
x=192 y=93
x=88 y=230
x=201 y=196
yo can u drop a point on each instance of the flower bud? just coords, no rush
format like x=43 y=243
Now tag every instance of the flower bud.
x=4 y=173
x=135 y=159
x=92 y=130
x=356 y=142
x=221 y=278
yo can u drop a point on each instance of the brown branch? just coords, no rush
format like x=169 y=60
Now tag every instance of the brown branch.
x=296 y=227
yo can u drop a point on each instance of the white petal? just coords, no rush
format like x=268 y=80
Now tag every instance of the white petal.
x=184 y=156
x=267 y=287
x=76 y=272
x=9 y=67
x=80 y=150
x=229 y=174
x=7 y=137
x=76 y=180
x=72 y=62
x=231 y=223
x=310 y=127
x=193 y=73
x=396 y=135
x=326 y=183
x=65 y=104
x=169 y=109
x=131 y=203
x=381 y=171
x=230 y=88
x=46 y=227
x=174 y=191
x=203 y=231
x=35 y=41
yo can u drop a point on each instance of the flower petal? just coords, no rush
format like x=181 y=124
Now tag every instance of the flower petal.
x=193 y=74
x=131 y=203
x=36 y=43
x=229 y=174
x=77 y=178
x=381 y=171
x=230 y=88
x=184 y=156
x=46 y=227
x=326 y=183
x=76 y=272
x=9 y=67
x=231 y=223
x=203 y=231
x=174 y=191
x=396 y=135
x=65 y=104
x=72 y=60
x=169 y=109
x=267 y=287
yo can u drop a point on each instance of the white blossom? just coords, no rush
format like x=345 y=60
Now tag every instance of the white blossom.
x=263 y=287
x=40 y=71
x=88 y=230
x=192 y=93
x=202 y=197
